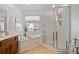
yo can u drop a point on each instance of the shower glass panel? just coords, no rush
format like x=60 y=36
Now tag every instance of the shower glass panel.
x=48 y=28
x=62 y=26
x=55 y=28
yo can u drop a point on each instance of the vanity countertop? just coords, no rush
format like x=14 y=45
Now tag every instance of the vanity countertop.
x=4 y=37
x=33 y=36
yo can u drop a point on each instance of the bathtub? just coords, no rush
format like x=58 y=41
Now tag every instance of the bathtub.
x=29 y=42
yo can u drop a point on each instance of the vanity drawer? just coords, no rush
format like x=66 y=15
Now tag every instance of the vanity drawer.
x=4 y=49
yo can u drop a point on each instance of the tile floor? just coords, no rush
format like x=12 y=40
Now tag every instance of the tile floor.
x=39 y=50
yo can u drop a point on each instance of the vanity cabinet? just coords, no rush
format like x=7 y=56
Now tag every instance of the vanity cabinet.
x=4 y=49
x=9 y=46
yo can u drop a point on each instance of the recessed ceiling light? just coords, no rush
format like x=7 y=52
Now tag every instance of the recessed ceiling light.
x=27 y=4
x=53 y=6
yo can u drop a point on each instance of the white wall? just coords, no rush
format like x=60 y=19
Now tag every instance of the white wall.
x=74 y=13
x=74 y=21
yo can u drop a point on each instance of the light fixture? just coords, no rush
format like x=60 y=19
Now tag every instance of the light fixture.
x=27 y=4
x=53 y=6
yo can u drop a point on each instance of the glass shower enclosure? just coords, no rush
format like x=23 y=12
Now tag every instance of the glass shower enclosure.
x=55 y=28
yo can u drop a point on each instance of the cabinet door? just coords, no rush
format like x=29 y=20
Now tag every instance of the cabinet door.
x=4 y=49
x=7 y=49
x=13 y=48
x=4 y=42
x=9 y=45
x=13 y=45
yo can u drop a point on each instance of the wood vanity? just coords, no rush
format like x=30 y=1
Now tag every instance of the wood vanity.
x=9 y=45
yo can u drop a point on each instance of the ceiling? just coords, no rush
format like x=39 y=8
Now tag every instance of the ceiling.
x=32 y=8
x=35 y=7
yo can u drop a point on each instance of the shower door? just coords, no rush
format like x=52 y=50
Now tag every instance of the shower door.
x=63 y=27
x=48 y=28
x=55 y=29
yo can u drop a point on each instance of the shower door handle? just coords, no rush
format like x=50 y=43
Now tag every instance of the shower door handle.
x=53 y=40
x=56 y=39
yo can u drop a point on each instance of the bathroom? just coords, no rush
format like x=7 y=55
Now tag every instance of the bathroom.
x=36 y=24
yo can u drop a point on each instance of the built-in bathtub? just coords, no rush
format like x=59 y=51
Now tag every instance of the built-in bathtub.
x=29 y=42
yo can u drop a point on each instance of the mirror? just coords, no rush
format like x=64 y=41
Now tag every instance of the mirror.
x=3 y=21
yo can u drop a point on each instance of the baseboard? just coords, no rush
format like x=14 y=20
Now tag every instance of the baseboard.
x=53 y=49
x=49 y=47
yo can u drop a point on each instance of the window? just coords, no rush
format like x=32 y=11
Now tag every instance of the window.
x=32 y=23
x=19 y=27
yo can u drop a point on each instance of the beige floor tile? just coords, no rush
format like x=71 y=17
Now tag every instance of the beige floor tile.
x=39 y=50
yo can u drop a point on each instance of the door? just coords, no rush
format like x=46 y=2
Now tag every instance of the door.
x=63 y=27
x=55 y=29
x=48 y=28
